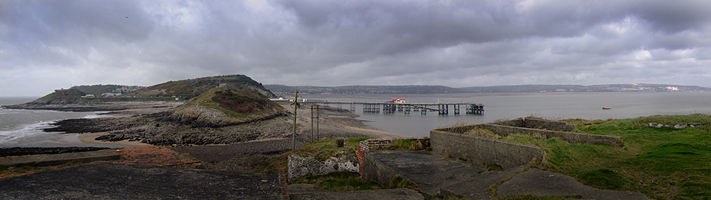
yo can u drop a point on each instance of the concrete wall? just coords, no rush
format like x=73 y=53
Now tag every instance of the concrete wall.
x=480 y=150
x=366 y=145
x=571 y=137
x=376 y=171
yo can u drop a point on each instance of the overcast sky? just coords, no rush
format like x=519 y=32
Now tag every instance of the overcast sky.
x=46 y=45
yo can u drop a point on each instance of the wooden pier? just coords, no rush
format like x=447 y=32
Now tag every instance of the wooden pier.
x=407 y=108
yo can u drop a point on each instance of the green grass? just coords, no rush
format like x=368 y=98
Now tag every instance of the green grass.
x=662 y=163
x=404 y=145
x=493 y=167
x=326 y=148
x=10 y=171
x=254 y=105
x=533 y=197
x=338 y=181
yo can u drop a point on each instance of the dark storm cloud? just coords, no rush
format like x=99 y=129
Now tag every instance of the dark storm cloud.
x=52 y=44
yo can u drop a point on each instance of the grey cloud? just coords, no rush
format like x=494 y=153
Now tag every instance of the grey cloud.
x=318 y=42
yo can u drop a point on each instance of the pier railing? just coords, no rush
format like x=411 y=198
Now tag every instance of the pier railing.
x=407 y=108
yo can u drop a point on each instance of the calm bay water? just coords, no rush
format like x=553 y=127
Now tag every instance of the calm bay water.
x=509 y=106
x=23 y=128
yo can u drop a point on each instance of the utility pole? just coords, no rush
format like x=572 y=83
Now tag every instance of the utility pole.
x=296 y=106
x=317 y=118
x=312 y=122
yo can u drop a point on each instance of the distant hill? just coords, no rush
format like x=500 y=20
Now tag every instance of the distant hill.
x=428 y=89
x=642 y=87
x=183 y=89
x=226 y=106
x=62 y=96
x=97 y=90
x=195 y=87
x=284 y=90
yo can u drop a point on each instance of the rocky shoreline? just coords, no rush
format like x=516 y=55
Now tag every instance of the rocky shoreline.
x=155 y=126
x=66 y=107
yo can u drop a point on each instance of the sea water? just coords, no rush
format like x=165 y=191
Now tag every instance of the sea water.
x=23 y=128
x=513 y=105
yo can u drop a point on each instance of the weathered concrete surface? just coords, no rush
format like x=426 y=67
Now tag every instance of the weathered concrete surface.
x=542 y=183
x=303 y=166
x=435 y=174
x=478 y=187
x=306 y=191
x=56 y=159
x=432 y=173
x=125 y=181
x=481 y=150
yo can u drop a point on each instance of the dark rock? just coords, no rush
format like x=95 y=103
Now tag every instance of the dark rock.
x=18 y=151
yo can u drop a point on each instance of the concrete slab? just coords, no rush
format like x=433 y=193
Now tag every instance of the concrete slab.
x=477 y=187
x=128 y=181
x=435 y=174
x=306 y=191
x=56 y=159
x=543 y=183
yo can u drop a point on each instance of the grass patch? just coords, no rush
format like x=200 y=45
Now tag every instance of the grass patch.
x=602 y=178
x=662 y=163
x=399 y=182
x=482 y=132
x=239 y=104
x=404 y=145
x=338 y=181
x=275 y=164
x=442 y=196
x=326 y=148
x=534 y=197
x=11 y=171
x=493 y=167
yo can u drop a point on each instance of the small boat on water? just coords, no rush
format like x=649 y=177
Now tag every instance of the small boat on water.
x=606 y=108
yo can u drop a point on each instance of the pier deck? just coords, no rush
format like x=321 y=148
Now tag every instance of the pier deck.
x=407 y=108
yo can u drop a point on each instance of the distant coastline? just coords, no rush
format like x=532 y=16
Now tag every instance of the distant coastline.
x=285 y=90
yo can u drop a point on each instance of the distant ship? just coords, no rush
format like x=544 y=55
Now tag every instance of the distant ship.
x=606 y=108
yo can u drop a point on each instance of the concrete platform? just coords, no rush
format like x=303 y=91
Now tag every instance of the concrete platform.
x=127 y=181
x=306 y=191
x=435 y=174
x=56 y=159
x=545 y=183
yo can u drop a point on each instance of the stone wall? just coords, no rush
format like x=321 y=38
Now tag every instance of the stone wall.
x=481 y=150
x=307 y=166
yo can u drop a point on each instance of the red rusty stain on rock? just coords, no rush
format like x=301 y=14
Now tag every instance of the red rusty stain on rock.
x=153 y=156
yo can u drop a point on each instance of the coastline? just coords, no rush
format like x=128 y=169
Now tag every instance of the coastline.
x=83 y=131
